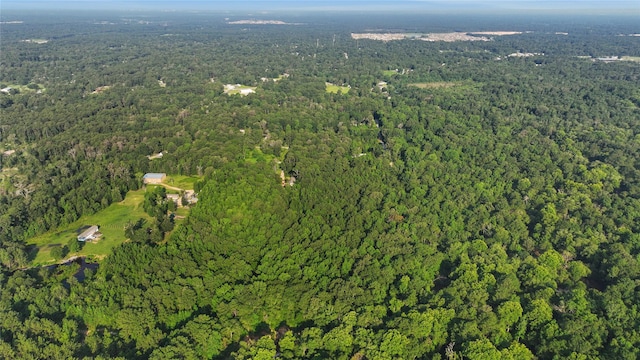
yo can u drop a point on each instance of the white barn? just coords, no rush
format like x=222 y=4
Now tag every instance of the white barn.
x=89 y=234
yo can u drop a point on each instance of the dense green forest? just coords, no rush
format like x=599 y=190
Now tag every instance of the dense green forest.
x=455 y=203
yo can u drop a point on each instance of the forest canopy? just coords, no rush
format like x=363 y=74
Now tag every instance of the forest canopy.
x=366 y=199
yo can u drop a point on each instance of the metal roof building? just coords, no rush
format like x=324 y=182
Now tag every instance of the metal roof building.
x=88 y=234
x=153 y=178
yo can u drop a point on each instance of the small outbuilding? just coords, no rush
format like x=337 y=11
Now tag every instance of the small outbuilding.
x=153 y=178
x=89 y=234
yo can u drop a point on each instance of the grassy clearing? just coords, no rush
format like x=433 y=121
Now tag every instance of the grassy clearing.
x=26 y=88
x=631 y=58
x=111 y=220
x=334 y=89
x=436 y=85
x=183 y=211
x=182 y=181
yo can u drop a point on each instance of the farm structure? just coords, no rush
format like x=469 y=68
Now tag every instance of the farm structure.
x=154 y=178
x=89 y=234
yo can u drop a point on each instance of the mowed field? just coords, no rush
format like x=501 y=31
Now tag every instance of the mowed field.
x=331 y=88
x=111 y=220
x=183 y=182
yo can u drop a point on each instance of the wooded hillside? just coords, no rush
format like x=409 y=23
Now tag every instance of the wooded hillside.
x=455 y=203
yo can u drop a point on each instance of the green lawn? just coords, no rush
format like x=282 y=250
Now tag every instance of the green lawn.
x=182 y=181
x=390 y=72
x=331 y=88
x=111 y=220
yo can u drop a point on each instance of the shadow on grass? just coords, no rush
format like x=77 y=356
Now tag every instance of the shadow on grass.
x=32 y=252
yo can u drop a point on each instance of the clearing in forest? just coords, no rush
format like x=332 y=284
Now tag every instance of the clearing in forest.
x=184 y=182
x=31 y=88
x=280 y=77
x=36 y=41
x=332 y=88
x=630 y=58
x=111 y=221
x=244 y=90
x=101 y=89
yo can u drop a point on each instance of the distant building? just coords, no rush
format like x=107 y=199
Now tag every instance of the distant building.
x=7 y=90
x=89 y=234
x=154 y=178
x=609 y=58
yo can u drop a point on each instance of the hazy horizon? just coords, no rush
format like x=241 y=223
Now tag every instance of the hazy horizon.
x=625 y=7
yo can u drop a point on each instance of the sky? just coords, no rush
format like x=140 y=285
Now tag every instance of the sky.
x=629 y=7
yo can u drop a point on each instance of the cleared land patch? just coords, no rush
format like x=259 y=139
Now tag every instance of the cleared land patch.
x=454 y=36
x=609 y=59
x=334 y=89
x=521 y=54
x=184 y=182
x=238 y=89
x=630 y=58
x=31 y=88
x=379 y=37
x=497 y=33
x=446 y=37
x=111 y=221
x=36 y=41
x=101 y=89
x=258 y=22
x=280 y=77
